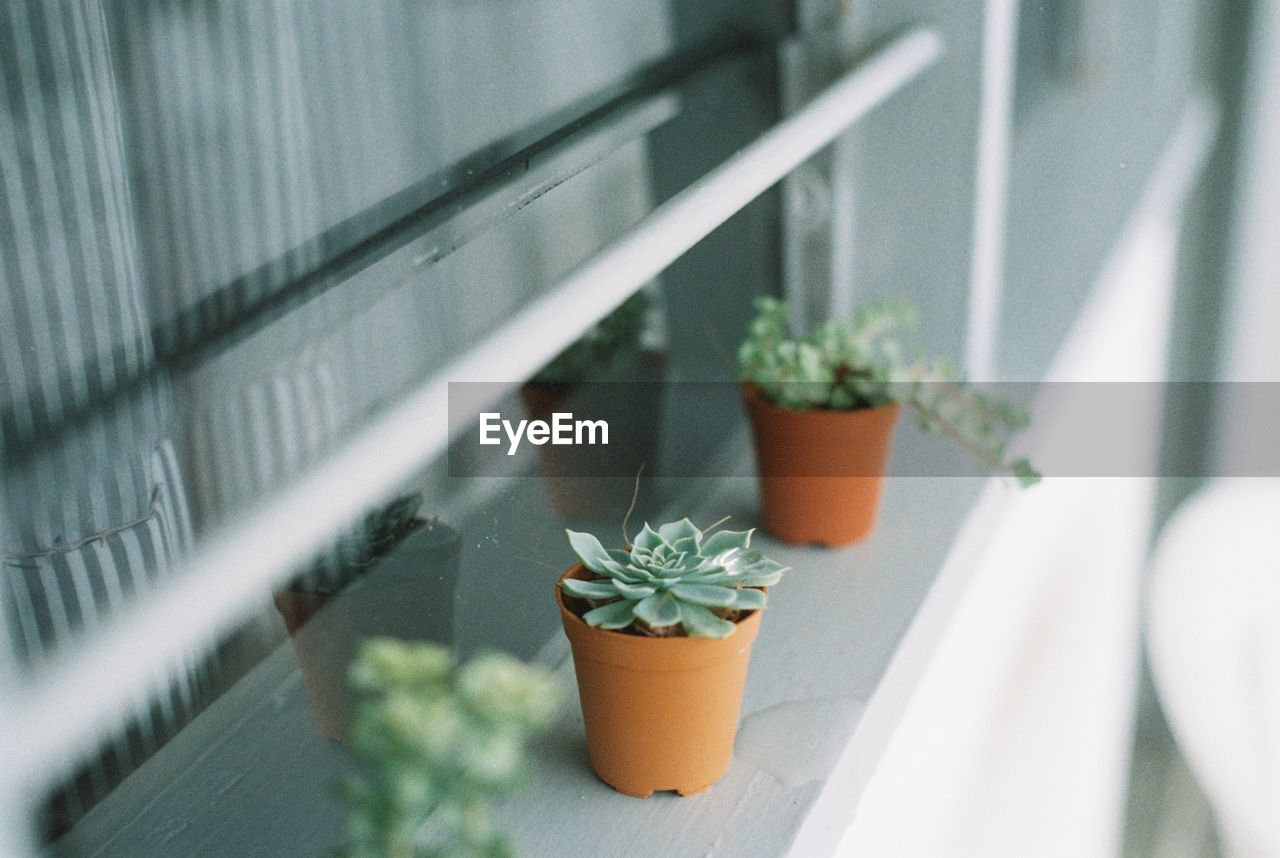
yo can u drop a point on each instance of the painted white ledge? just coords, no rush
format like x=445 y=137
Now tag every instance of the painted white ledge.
x=251 y=775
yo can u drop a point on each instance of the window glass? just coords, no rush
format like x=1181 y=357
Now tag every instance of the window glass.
x=233 y=235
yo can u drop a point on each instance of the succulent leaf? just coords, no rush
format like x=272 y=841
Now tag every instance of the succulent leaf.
x=679 y=530
x=735 y=561
x=589 y=551
x=718 y=543
x=619 y=556
x=599 y=589
x=647 y=539
x=749 y=599
x=632 y=591
x=706 y=595
x=715 y=576
x=615 y=615
x=700 y=622
x=762 y=580
x=686 y=545
x=659 y=610
x=760 y=565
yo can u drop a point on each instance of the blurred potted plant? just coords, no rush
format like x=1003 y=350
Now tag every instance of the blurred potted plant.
x=824 y=406
x=352 y=556
x=609 y=373
x=433 y=739
x=661 y=635
x=393 y=576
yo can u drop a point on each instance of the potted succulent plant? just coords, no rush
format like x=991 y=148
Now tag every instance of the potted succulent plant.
x=437 y=741
x=393 y=576
x=661 y=634
x=612 y=373
x=824 y=406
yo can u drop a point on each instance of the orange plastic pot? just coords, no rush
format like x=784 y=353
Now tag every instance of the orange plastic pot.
x=820 y=471
x=660 y=713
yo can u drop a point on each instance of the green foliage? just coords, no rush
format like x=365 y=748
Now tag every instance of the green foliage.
x=672 y=577
x=617 y=334
x=434 y=737
x=863 y=363
x=363 y=545
x=383 y=528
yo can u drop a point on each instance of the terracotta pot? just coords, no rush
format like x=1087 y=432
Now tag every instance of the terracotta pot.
x=408 y=595
x=591 y=484
x=820 y=471
x=660 y=713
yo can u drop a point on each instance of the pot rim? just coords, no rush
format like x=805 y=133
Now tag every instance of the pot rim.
x=743 y=628
x=755 y=396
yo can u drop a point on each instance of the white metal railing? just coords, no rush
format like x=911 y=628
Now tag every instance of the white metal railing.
x=58 y=717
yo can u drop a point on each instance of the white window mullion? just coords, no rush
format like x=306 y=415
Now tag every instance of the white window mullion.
x=991 y=179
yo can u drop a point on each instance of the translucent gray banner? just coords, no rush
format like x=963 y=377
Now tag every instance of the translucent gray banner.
x=1113 y=429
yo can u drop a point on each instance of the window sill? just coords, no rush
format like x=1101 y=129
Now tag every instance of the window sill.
x=842 y=645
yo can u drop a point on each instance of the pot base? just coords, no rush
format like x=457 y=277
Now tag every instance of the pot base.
x=642 y=792
x=796 y=509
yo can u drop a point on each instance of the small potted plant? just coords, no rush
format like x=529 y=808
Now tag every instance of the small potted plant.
x=350 y=558
x=823 y=409
x=613 y=372
x=661 y=634
x=438 y=741
x=393 y=576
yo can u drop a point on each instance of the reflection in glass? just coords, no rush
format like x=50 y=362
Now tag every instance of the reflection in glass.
x=172 y=178
x=408 y=595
